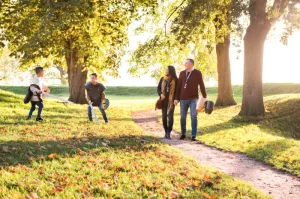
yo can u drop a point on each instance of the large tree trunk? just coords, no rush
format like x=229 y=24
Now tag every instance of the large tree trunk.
x=254 y=41
x=225 y=94
x=77 y=76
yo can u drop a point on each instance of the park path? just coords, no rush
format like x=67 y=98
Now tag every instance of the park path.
x=265 y=178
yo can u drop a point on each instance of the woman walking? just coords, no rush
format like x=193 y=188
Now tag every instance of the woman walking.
x=166 y=89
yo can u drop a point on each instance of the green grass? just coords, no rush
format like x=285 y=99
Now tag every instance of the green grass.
x=68 y=157
x=273 y=139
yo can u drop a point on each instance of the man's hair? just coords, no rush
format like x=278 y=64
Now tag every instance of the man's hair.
x=38 y=69
x=191 y=60
x=94 y=74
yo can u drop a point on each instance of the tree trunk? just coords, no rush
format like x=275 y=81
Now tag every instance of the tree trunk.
x=225 y=94
x=76 y=78
x=254 y=40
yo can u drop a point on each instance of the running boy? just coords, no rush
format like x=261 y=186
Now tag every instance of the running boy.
x=37 y=87
x=95 y=95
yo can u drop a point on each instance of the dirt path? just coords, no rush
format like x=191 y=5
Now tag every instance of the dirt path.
x=263 y=177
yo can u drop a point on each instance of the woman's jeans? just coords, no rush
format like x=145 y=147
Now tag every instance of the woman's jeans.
x=167 y=118
x=101 y=110
x=184 y=107
x=33 y=106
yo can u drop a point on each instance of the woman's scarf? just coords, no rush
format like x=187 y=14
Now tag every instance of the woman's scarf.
x=171 y=92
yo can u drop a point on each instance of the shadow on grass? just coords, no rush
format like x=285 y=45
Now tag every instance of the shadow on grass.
x=268 y=153
x=282 y=119
x=22 y=152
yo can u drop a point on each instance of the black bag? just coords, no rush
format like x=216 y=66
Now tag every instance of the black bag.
x=209 y=107
x=28 y=96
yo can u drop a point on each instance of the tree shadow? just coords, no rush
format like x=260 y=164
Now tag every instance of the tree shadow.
x=23 y=152
x=281 y=119
x=273 y=149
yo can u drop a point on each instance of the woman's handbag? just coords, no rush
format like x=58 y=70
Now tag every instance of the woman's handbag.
x=159 y=104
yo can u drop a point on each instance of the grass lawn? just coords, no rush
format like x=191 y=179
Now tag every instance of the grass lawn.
x=273 y=139
x=68 y=157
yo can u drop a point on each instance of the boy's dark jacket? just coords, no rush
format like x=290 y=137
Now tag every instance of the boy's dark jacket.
x=30 y=94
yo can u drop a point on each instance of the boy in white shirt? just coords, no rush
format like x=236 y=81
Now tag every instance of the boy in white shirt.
x=37 y=87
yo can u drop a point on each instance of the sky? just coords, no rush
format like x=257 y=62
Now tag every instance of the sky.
x=281 y=63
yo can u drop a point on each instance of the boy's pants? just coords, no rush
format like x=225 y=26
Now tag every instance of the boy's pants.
x=33 y=107
x=101 y=110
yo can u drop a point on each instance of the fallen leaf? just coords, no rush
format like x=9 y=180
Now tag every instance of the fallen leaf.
x=175 y=195
x=32 y=196
x=5 y=149
x=207 y=196
x=52 y=155
x=57 y=189
x=31 y=158
x=104 y=144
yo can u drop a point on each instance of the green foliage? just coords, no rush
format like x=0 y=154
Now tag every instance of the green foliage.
x=165 y=48
x=47 y=31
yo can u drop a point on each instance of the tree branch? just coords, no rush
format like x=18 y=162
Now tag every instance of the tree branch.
x=171 y=13
x=280 y=6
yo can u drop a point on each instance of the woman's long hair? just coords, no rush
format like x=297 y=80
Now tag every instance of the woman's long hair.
x=172 y=72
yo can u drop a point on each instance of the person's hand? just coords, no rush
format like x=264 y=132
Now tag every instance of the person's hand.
x=90 y=102
x=176 y=102
x=162 y=96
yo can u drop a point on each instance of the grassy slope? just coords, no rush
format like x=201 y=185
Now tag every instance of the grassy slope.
x=274 y=139
x=67 y=157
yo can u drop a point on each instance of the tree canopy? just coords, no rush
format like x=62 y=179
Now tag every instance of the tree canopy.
x=48 y=29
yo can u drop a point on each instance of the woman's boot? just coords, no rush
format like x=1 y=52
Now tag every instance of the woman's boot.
x=169 y=135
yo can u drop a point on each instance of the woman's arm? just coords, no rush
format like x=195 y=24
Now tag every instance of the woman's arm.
x=159 y=87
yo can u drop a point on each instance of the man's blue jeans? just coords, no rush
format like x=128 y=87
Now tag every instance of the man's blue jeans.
x=101 y=110
x=32 y=109
x=184 y=107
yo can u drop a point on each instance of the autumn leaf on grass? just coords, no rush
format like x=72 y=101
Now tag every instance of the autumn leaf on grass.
x=5 y=149
x=52 y=156
x=57 y=189
x=175 y=194
x=207 y=196
x=104 y=144
x=32 y=196
x=31 y=159
x=79 y=151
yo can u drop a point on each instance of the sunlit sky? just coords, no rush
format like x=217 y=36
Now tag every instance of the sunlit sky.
x=281 y=63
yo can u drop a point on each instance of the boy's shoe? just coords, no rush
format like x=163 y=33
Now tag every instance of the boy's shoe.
x=39 y=119
x=182 y=137
x=28 y=118
x=194 y=139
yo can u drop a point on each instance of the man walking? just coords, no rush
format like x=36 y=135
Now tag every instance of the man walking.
x=95 y=95
x=187 y=93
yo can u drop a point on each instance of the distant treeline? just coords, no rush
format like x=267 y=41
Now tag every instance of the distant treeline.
x=268 y=89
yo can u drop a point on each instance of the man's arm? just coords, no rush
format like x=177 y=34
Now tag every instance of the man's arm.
x=45 y=89
x=87 y=97
x=202 y=86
